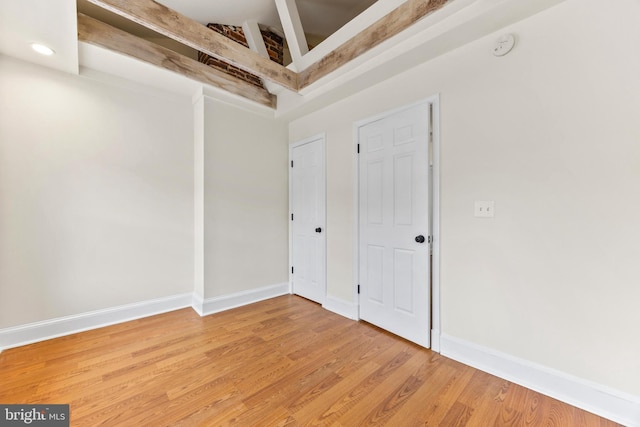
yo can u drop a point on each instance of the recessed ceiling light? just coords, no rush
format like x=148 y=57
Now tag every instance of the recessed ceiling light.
x=42 y=49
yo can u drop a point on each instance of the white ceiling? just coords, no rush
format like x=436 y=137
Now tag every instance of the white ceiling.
x=461 y=21
x=52 y=23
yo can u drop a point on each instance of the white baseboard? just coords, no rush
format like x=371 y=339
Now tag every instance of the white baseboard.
x=197 y=303
x=40 y=331
x=601 y=400
x=341 y=307
x=226 y=302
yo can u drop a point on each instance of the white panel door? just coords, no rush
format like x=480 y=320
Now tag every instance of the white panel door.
x=394 y=219
x=308 y=220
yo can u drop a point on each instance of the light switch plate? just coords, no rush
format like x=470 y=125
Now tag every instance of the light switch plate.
x=484 y=208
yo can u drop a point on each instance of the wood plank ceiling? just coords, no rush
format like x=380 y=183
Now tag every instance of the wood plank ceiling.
x=185 y=30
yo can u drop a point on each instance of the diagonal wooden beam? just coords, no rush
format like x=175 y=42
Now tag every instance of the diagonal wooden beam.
x=254 y=38
x=293 y=30
x=386 y=27
x=100 y=34
x=185 y=30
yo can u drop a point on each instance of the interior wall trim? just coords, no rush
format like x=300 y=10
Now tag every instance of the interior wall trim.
x=601 y=400
x=227 y=302
x=61 y=326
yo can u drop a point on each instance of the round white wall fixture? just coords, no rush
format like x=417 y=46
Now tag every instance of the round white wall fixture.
x=503 y=45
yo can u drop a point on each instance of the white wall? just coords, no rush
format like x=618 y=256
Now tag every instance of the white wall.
x=96 y=194
x=550 y=132
x=245 y=200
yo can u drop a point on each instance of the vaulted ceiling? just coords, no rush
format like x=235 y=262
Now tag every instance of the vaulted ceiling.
x=190 y=32
x=365 y=41
x=320 y=17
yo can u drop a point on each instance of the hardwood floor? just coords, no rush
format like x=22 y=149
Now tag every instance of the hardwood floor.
x=280 y=362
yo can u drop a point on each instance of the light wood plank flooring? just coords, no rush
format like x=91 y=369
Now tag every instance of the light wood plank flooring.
x=280 y=362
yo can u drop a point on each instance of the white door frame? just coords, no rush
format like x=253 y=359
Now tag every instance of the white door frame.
x=292 y=145
x=434 y=101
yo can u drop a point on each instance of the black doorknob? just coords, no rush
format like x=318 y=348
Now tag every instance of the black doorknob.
x=420 y=238
x=318 y=230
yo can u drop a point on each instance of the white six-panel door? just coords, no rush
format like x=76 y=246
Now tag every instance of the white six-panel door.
x=393 y=214
x=308 y=219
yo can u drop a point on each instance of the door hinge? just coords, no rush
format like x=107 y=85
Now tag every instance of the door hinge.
x=291 y=269
x=358 y=289
x=358 y=149
x=291 y=163
x=291 y=217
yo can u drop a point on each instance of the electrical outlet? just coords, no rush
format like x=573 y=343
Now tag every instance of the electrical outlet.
x=484 y=208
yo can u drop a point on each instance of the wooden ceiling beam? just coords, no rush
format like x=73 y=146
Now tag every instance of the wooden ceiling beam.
x=185 y=30
x=172 y=24
x=386 y=27
x=100 y=34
